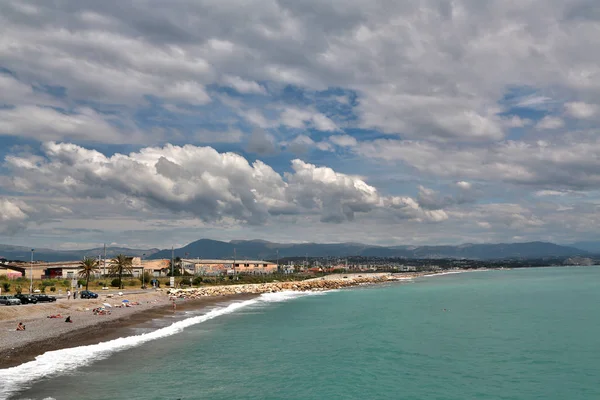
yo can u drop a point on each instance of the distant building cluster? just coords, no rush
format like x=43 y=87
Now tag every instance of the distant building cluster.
x=157 y=268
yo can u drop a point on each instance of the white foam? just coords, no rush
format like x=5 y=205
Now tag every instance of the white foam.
x=61 y=361
x=444 y=273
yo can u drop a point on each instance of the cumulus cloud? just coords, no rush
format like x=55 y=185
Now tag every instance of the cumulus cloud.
x=13 y=215
x=199 y=181
x=84 y=71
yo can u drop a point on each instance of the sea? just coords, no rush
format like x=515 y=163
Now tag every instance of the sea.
x=502 y=334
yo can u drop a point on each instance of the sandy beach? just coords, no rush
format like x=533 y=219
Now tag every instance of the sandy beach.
x=43 y=334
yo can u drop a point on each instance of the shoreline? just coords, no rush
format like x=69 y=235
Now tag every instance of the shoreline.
x=48 y=334
x=92 y=331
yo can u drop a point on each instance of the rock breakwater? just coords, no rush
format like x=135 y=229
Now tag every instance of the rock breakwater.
x=318 y=284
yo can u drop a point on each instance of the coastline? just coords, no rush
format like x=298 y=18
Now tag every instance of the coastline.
x=46 y=334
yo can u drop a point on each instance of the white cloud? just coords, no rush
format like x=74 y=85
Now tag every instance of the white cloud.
x=549 y=122
x=243 y=86
x=300 y=144
x=568 y=163
x=464 y=185
x=581 y=110
x=301 y=119
x=45 y=123
x=228 y=136
x=202 y=182
x=343 y=140
x=189 y=92
x=13 y=215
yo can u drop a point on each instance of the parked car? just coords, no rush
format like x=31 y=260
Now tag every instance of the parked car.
x=87 y=294
x=44 y=298
x=9 y=301
x=26 y=298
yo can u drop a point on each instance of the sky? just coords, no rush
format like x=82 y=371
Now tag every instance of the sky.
x=155 y=123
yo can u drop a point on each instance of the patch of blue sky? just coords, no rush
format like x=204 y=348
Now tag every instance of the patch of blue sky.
x=14 y=145
x=55 y=91
x=187 y=119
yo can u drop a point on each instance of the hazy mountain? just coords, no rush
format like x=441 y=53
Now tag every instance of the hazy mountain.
x=24 y=253
x=260 y=249
x=591 y=247
x=256 y=249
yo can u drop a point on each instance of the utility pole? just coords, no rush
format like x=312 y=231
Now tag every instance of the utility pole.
x=31 y=272
x=234 y=257
x=172 y=261
x=143 y=279
x=278 y=260
x=104 y=273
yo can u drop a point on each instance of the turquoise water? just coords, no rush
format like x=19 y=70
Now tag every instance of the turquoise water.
x=521 y=334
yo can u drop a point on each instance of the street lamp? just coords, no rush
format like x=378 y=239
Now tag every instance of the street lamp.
x=31 y=273
x=143 y=283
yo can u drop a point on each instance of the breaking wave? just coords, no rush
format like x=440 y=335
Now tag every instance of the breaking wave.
x=62 y=361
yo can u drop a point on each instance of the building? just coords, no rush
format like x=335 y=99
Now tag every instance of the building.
x=227 y=267
x=12 y=271
x=70 y=269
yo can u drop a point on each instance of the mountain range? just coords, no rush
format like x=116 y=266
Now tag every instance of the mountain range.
x=260 y=249
x=24 y=253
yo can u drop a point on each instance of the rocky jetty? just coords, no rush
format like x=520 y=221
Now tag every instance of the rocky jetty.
x=318 y=284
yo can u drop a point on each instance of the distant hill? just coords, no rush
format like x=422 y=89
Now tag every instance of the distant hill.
x=589 y=246
x=258 y=249
x=24 y=253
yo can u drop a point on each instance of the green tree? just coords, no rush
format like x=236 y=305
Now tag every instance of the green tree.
x=119 y=265
x=87 y=267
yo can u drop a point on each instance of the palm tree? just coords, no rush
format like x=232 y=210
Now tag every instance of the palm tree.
x=119 y=265
x=87 y=268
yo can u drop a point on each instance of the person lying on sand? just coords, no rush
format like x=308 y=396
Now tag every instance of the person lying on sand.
x=20 y=327
x=55 y=316
x=68 y=319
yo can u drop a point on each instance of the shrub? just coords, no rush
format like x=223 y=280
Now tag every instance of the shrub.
x=6 y=286
x=197 y=280
x=18 y=289
x=114 y=282
x=81 y=282
x=52 y=289
x=146 y=278
x=131 y=283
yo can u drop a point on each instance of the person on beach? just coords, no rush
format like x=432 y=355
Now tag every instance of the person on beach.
x=68 y=295
x=68 y=319
x=20 y=327
x=74 y=295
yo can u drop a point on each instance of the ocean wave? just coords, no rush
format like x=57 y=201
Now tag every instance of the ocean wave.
x=444 y=273
x=61 y=361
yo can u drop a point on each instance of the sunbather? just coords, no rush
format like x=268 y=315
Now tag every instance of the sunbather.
x=20 y=327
